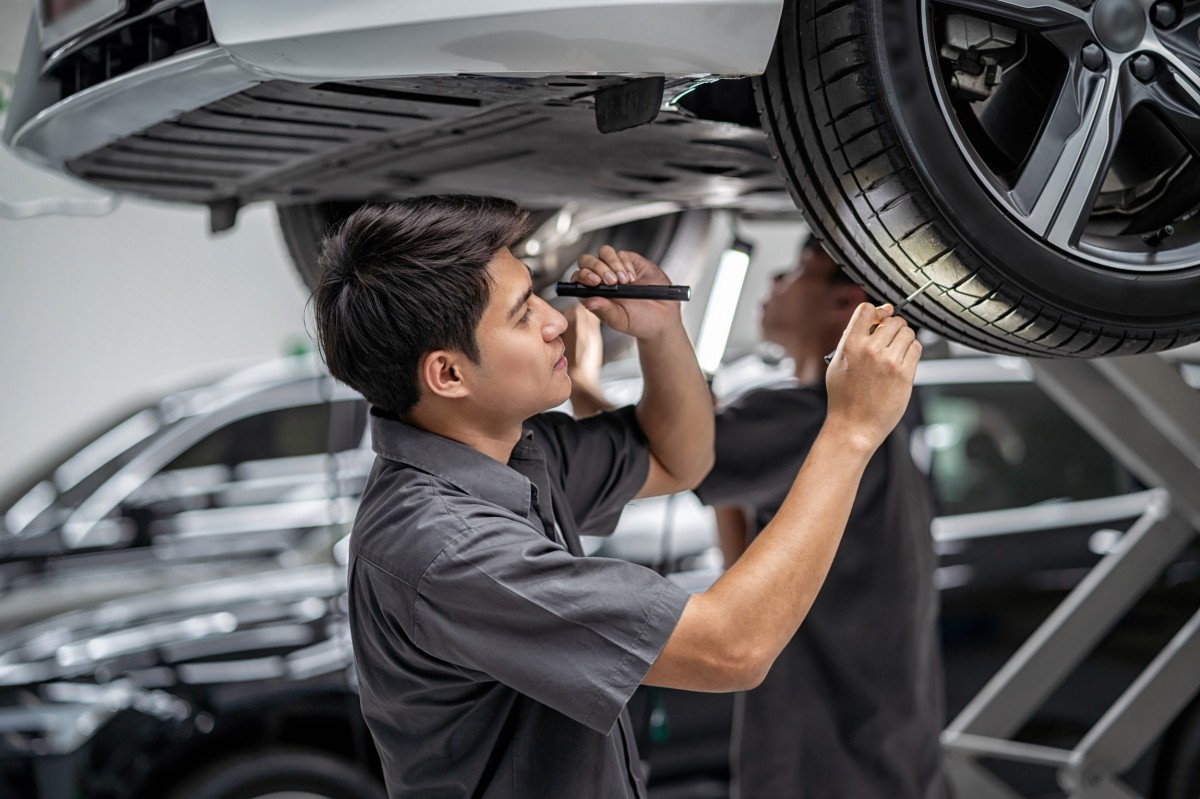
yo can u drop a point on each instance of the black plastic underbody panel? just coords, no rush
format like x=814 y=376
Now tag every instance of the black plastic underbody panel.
x=532 y=139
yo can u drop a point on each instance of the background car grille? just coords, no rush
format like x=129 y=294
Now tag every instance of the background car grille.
x=139 y=38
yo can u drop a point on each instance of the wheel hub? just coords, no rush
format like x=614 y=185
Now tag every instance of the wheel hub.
x=1119 y=24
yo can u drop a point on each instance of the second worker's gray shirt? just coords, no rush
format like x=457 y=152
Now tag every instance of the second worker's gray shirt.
x=852 y=707
x=492 y=660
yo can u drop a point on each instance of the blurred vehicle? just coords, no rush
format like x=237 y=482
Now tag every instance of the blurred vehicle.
x=230 y=477
x=172 y=621
x=243 y=686
x=1037 y=160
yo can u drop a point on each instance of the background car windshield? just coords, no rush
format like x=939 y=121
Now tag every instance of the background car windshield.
x=1006 y=445
x=119 y=435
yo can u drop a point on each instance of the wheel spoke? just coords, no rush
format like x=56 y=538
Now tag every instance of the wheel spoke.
x=1182 y=39
x=1039 y=13
x=1069 y=37
x=1184 y=72
x=1060 y=179
x=1178 y=104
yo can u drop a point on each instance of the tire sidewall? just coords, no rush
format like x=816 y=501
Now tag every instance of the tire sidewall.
x=1147 y=301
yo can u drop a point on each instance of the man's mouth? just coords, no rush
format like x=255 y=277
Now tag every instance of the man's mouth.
x=561 y=363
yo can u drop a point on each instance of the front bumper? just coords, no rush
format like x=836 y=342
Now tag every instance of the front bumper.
x=310 y=41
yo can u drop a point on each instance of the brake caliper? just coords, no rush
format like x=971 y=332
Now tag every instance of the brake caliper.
x=974 y=49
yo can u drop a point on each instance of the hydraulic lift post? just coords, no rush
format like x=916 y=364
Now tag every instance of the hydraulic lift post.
x=1146 y=415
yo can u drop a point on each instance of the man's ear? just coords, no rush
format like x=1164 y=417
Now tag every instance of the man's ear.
x=441 y=374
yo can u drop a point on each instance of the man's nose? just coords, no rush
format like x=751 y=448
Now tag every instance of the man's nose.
x=556 y=326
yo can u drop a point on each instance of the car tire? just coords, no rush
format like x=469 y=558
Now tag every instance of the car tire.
x=856 y=130
x=276 y=771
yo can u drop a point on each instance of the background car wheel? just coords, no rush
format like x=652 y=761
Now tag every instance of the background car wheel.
x=277 y=773
x=1025 y=157
x=304 y=226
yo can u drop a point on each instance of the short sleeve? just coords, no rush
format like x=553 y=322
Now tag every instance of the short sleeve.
x=603 y=460
x=761 y=441
x=576 y=634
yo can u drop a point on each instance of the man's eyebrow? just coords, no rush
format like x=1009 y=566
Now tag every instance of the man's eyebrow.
x=524 y=298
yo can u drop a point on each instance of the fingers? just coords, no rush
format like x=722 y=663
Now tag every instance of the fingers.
x=636 y=262
x=873 y=327
x=597 y=305
x=887 y=331
x=912 y=355
x=611 y=267
x=899 y=345
x=864 y=316
x=591 y=272
x=584 y=275
x=859 y=326
x=608 y=268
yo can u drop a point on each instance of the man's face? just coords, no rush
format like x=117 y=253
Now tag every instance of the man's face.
x=523 y=365
x=804 y=306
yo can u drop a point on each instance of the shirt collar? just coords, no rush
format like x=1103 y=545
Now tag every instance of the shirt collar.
x=456 y=463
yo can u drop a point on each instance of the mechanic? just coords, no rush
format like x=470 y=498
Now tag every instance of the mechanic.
x=493 y=659
x=854 y=704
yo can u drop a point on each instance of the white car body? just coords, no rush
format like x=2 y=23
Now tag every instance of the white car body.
x=307 y=41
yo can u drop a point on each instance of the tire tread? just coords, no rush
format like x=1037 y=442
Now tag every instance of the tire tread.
x=829 y=131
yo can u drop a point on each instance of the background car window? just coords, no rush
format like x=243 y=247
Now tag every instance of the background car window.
x=284 y=433
x=1006 y=445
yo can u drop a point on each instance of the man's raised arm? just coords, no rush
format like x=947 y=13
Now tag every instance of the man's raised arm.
x=675 y=411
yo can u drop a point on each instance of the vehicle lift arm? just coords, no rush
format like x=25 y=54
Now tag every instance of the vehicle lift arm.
x=1146 y=415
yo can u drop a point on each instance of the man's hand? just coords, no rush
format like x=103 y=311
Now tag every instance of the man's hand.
x=642 y=319
x=675 y=411
x=871 y=375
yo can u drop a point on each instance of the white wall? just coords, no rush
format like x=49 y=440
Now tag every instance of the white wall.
x=96 y=312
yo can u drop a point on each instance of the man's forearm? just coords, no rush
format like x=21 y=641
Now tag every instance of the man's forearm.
x=779 y=575
x=675 y=411
x=729 y=635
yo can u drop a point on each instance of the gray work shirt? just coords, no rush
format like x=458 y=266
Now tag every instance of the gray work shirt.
x=853 y=705
x=493 y=659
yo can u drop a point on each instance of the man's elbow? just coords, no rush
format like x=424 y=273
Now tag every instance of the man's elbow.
x=745 y=668
x=691 y=476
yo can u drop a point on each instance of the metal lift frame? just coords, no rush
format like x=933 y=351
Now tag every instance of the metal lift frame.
x=1144 y=413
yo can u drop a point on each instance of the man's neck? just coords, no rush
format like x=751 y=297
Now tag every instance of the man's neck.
x=495 y=441
x=809 y=361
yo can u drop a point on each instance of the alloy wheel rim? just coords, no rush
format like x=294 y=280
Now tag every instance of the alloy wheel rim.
x=1126 y=80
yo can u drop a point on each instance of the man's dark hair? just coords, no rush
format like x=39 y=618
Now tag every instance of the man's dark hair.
x=401 y=280
x=836 y=274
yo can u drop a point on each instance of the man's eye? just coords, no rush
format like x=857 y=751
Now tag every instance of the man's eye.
x=528 y=314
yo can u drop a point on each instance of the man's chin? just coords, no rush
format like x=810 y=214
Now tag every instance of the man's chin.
x=563 y=395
